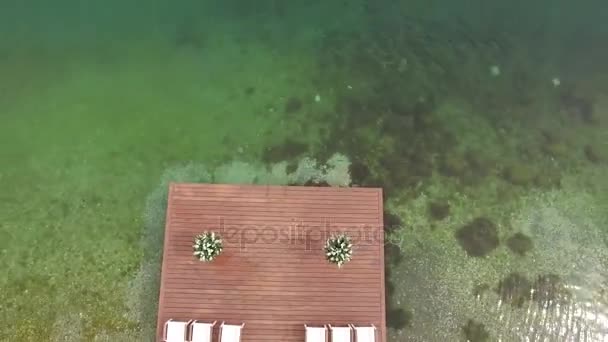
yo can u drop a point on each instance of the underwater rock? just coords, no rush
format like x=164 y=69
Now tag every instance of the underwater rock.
x=514 y=289
x=389 y=287
x=392 y=141
x=475 y=332
x=249 y=91
x=479 y=237
x=519 y=174
x=398 y=318
x=478 y=165
x=391 y=221
x=549 y=136
x=520 y=244
x=315 y=182
x=549 y=290
x=468 y=168
x=453 y=165
x=360 y=173
x=292 y=166
x=392 y=254
x=293 y=105
x=57 y=208
x=288 y=150
x=480 y=289
x=89 y=200
x=188 y=35
x=557 y=149
x=439 y=210
x=395 y=175
x=551 y=178
x=421 y=167
x=577 y=106
x=592 y=154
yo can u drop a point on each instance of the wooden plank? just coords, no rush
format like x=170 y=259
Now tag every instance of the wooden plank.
x=272 y=275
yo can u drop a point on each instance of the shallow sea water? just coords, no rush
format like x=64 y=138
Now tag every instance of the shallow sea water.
x=486 y=123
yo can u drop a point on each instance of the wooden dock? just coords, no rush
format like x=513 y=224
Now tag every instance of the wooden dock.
x=272 y=274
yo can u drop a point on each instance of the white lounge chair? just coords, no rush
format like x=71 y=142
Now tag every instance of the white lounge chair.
x=201 y=331
x=175 y=331
x=230 y=333
x=365 y=334
x=316 y=334
x=341 y=334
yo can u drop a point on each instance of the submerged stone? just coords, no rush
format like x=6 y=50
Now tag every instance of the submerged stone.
x=249 y=91
x=392 y=254
x=514 y=289
x=288 y=150
x=475 y=332
x=480 y=289
x=520 y=244
x=578 y=107
x=389 y=287
x=479 y=237
x=479 y=165
x=557 y=149
x=319 y=183
x=453 y=165
x=398 y=318
x=188 y=35
x=359 y=173
x=293 y=105
x=391 y=221
x=519 y=174
x=592 y=154
x=551 y=178
x=549 y=290
x=439 y=210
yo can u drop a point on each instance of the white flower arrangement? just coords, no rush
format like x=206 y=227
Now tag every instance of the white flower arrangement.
x=339 y=249
x=207 y=246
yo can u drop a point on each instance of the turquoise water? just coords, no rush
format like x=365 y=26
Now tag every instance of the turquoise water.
x=485 y=123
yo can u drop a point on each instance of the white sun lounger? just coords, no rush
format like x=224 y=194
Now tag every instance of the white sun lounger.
x=341 y=334
x=230 y=333
x=175 y=331
x=316 y=334
x=365 y=334
x=201 y=331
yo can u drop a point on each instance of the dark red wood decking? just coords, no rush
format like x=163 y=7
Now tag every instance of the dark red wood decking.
x=272 y=274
